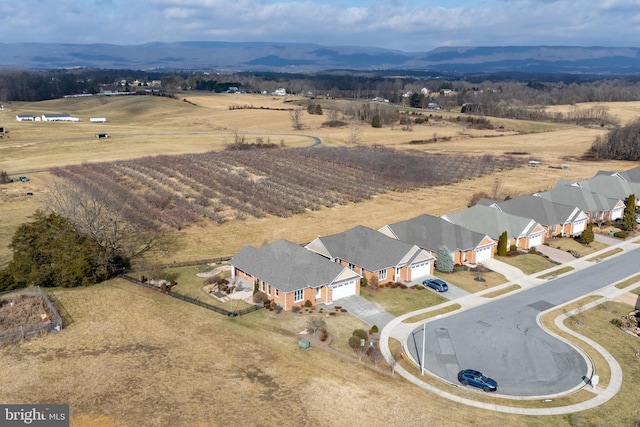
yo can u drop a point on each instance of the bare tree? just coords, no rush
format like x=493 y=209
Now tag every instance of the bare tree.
x=355 y=131
x=496 y=188
x=315 y=323
x=375 y=354
x=395 y=359
x=296 y=118
x=124 y=241
x=332 y=114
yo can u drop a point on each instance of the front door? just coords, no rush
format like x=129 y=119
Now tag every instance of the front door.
x=318 y=293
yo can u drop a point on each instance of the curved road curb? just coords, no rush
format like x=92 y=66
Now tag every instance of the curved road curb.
x=399 y=331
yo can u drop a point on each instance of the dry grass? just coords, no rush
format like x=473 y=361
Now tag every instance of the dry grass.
x=157 y=361
x=569 y=244
x=528 y=263
x=467 y=280
x=502 y=291
x=141 y=126
x=135 y=357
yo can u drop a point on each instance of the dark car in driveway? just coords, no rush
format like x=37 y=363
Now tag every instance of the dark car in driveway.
x=437 y=284
x=477 y=379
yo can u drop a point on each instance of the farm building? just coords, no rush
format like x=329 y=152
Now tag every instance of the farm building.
x=98 y=120
x=27 y=118
x=59 y=118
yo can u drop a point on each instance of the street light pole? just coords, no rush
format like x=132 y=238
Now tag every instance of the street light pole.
x=424 y=339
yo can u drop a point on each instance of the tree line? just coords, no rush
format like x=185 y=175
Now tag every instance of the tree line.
x=491 y=91
x=621 y=143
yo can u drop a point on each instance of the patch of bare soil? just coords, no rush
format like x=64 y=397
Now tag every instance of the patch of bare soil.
x=20 y=310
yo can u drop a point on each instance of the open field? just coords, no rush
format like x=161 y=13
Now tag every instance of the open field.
x=130 y=356
x=157 y=361
x=142 y=126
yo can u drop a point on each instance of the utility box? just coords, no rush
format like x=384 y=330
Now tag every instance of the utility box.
x=304 y=344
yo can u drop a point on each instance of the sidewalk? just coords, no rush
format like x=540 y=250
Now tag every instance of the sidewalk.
x=400 y=331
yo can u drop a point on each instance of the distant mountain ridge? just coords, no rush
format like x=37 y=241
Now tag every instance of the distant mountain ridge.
x=300 y=57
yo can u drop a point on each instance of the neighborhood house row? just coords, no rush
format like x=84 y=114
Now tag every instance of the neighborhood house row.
x=330 y=267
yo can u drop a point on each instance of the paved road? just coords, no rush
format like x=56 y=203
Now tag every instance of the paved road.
x=503 y=339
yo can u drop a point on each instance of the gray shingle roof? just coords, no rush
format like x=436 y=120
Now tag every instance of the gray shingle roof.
x=544 y=211
x=288 y=266
x=432 y=232
x=492 y=222
x=631 y=175
x=611 y=186
x=582 y=198
x=366 y=247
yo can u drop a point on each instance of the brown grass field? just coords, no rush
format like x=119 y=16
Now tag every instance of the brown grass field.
x=132 y=357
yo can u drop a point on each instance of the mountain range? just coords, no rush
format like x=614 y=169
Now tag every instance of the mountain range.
x=304 y=58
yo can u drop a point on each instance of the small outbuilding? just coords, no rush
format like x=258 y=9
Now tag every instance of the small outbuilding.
x=102 y=135
x=98 y=120
x=27 y=118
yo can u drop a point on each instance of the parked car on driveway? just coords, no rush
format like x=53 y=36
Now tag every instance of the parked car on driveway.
x=477 y=379
x=437 y=284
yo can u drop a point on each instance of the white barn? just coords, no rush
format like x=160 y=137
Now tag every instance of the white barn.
x=59 y=118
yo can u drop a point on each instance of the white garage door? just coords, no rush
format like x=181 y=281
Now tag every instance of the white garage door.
x=579 y=228
x=483 y=254
x=344 y=289
x=535 y=241
x=420 y=270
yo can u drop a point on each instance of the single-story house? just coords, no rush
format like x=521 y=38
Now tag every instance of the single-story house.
x=27 y=118
x=613 y=186
x=597 y=206
x=373 y=254
x=59 y=118
x=556 y=218
x=630 y=175
x=522 y=232
x=432 y=233
x=290 y=274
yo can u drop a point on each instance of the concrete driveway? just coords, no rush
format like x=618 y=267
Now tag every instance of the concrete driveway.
x=365 y=310
x=555 y=254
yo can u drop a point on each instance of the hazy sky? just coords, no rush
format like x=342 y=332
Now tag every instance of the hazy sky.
x=408 y=25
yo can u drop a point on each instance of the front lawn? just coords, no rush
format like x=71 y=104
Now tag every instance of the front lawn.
x=400 y=301
x=467 y=280
x=571 y=245
x=528 y=263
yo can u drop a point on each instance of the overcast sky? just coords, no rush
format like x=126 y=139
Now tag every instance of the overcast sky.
x=409 y=25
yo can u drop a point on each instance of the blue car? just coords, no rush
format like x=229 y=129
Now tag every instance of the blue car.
x=476 y=379
x=437 y=284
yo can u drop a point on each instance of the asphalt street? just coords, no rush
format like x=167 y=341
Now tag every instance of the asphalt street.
x=503 y=340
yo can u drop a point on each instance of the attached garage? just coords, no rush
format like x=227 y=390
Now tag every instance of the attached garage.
x=343 y=289
x=420 y=270
x=579 y=227
x=483 y=254
x=535 y=240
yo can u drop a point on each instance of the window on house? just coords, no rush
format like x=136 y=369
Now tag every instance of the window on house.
x=352 y=266
x=277 y=292
x=268 y=289
x=298 y=295
x=382 y=274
